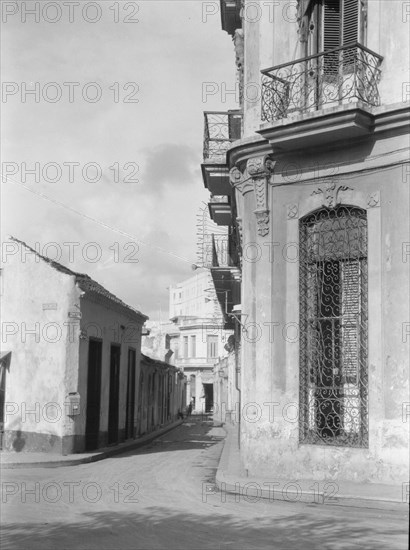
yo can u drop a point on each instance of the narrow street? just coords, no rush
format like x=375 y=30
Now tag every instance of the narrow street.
x=162 y=497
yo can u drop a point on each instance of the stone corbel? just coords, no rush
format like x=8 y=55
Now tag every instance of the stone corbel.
x=260 y=170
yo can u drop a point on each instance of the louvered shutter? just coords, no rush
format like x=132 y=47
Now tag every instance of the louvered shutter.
x=350 y=22
x=331 y=23
x=331 y=35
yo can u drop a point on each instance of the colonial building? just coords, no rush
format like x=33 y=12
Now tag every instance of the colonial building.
x=73 y=379
x=202 y=337
x=316 y=191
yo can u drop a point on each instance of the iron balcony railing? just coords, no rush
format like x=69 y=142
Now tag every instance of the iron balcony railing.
x=221 y=128
x=326 y=79
x=219 y=250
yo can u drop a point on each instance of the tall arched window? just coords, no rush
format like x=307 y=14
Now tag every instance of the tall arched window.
x=333 y=327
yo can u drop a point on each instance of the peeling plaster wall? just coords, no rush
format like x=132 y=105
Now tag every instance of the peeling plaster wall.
x=376 y=171
x=36 y=302
x=270 y=367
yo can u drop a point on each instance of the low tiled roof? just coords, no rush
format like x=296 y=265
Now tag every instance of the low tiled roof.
x=151 y=361
x=84 y=281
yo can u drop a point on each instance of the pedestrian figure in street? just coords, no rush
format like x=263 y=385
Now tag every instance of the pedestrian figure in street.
x=189 y=410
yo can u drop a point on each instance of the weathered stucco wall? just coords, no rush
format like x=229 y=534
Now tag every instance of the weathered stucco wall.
x=272 y=38
x=103 y=322
x=375 y=178
x=37 y=301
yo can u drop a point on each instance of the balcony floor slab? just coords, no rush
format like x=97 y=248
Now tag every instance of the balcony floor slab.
x=302 y=131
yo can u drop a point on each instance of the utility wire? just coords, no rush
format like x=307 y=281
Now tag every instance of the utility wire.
x=97 y=221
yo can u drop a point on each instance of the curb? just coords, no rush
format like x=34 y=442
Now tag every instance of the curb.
x=119 y=449
x=285 y=490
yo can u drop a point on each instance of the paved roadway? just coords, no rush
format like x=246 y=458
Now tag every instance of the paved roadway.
x=162 y=497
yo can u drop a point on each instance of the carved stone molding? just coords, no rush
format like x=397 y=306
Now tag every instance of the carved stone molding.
x=256 y=176
x=261 y=194
x=373 y=200
x=260 y=170
x=260 y=167
x=262 y=219
x=236 y=178
x=331 y=194
x=292 y=211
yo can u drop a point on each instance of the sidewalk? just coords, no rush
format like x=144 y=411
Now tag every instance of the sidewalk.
x=232 y=478
x=10 y=460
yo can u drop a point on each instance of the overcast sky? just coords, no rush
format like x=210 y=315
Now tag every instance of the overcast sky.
x=166 y=57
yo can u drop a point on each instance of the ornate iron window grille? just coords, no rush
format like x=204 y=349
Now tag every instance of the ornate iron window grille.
x=326 y=79
x=220 y=130
x=333 y=328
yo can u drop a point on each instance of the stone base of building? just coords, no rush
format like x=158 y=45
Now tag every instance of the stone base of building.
x=24 y=442
x=33 y=442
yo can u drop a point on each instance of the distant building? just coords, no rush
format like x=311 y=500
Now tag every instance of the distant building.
x=72 y=377
x=201 y=339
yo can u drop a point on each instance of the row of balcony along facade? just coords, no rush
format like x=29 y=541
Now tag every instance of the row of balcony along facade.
x=333 y=78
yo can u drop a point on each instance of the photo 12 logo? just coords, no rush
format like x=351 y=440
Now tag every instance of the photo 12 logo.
x=255 y=11
x=69 y=92
x=69 y=172
x=69 y=12
x=72 y=251
x=68 y=492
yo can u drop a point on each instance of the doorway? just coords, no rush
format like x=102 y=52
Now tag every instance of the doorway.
x=209 y=397
x=113 y=407
x=92 y=427
x=129 y=419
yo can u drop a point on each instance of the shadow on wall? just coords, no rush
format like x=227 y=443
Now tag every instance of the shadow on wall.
x=19 y=442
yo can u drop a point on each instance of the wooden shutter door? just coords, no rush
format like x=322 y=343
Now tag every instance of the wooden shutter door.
x=331 y=25
x=350 y=22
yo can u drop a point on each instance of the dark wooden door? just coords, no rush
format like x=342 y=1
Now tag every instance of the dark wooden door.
x=129 y=420
x=113 y=406
x=92 y=427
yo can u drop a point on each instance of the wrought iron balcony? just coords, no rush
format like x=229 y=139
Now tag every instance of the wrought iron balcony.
x=220 y=130
x=219 y=250
x=327 y=79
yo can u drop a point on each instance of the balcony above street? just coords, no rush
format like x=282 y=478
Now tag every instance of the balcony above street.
x=230 y=15
x=220 y=210
x=324 y=97
x=221 y=129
